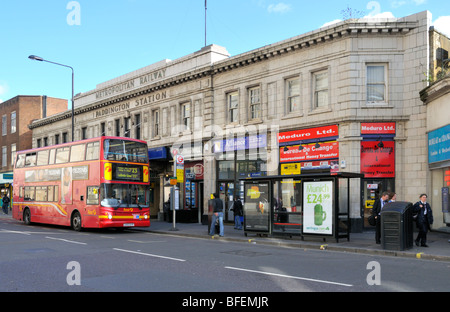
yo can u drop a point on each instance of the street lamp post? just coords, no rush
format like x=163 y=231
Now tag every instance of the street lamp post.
x=40 y=59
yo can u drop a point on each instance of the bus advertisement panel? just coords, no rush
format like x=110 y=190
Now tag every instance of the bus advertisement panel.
x=94 y=183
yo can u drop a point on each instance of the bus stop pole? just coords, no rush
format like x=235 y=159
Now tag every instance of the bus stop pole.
x=175 y=200
x=175 y=204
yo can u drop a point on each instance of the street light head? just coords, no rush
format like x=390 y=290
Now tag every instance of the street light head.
x=36 y=58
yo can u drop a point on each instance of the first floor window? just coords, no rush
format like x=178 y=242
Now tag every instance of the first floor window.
x=4 y=156
x=376 y=83
x=233 y=106
x=186 y=115
x=255 y=102
x=320 y=89
x=293 y=95
x=155 y=123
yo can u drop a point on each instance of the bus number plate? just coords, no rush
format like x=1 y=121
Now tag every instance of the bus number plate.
x=128 y=224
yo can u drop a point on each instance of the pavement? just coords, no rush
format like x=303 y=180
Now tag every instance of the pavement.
x=362 y=243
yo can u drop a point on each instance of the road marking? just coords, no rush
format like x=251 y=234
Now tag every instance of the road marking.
x=15 y=232
x=148 y=255
x=24 y=232
x=144 y=242
x=66 y=240
x=289 y=276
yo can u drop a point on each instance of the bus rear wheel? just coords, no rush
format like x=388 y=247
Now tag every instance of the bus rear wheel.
x=27 y=216
x=76 y=221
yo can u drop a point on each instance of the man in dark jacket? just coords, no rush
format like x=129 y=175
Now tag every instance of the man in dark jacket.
x=5 y=204
x=424 y=219
x=376 y=211
x=217 y=213
x=238 y=213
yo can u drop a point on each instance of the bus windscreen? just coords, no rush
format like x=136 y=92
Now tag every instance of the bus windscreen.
x=129 y=151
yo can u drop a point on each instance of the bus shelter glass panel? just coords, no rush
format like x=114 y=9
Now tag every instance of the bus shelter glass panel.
x=257 y=207
x=287 y=206
x=318 y=204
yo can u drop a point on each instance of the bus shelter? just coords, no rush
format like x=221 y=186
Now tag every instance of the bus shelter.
x=299 y=205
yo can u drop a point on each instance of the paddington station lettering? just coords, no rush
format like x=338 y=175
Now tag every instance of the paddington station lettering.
x=148 y=99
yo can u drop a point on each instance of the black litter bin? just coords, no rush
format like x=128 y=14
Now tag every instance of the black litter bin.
x=397 y=226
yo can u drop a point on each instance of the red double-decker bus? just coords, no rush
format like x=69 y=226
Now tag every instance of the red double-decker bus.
x=95 y=183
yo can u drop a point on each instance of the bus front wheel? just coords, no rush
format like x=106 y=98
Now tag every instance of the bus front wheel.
x=76 y=221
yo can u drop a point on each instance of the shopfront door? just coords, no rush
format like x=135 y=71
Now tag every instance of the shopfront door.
x=371 y=190
x=226 y=194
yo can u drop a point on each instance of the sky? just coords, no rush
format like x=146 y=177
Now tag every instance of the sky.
x=104 y=39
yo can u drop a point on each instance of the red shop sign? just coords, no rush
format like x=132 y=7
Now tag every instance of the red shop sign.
x=378 y=162
x=307 y=134
x=378 y=128
x=327 y=150
x=194 y=170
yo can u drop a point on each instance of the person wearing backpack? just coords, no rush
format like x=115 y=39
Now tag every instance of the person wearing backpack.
x=217 y=214
x=5 y=203
x=238 y=213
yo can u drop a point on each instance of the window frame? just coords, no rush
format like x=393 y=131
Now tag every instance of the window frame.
x=316 y=92
x=186 y=115
x=13 y=122
x=232 y=112
x=4 y=125
x=290 y=108
x=254 y=103
x=156 y=118
x=385 y=84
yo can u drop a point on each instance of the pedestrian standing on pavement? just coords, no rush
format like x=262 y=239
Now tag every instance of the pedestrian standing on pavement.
x=376 y=212
x=424 y=219
x=238 y=213
x=5 y=203
x=217 y=214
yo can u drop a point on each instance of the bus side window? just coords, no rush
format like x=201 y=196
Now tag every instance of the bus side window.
x=93 y=151
x=51 y=160
x=20 y=161
x=77 y=152
x=42 y=158
x=50 y=192
x=29 y=193
x=56 y=197
x=30 y=160
x=92 y=195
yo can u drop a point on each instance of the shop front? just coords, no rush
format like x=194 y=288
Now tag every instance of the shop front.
x=237 y=158
x=439 y=164
x=377 y=164
x=186 y=170
x=159 y=165
x=6 y=184
x=193 y=189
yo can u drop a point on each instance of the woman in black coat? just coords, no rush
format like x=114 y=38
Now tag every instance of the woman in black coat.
x=424 y=219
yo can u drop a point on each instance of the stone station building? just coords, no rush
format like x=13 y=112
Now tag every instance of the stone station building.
x=340 y=98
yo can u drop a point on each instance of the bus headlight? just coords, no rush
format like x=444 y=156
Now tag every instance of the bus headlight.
x=109 y=216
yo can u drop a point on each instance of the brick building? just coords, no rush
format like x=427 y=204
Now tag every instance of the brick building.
x=16 y=114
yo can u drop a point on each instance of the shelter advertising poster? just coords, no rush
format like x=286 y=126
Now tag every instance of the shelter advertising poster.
x=318 y=207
